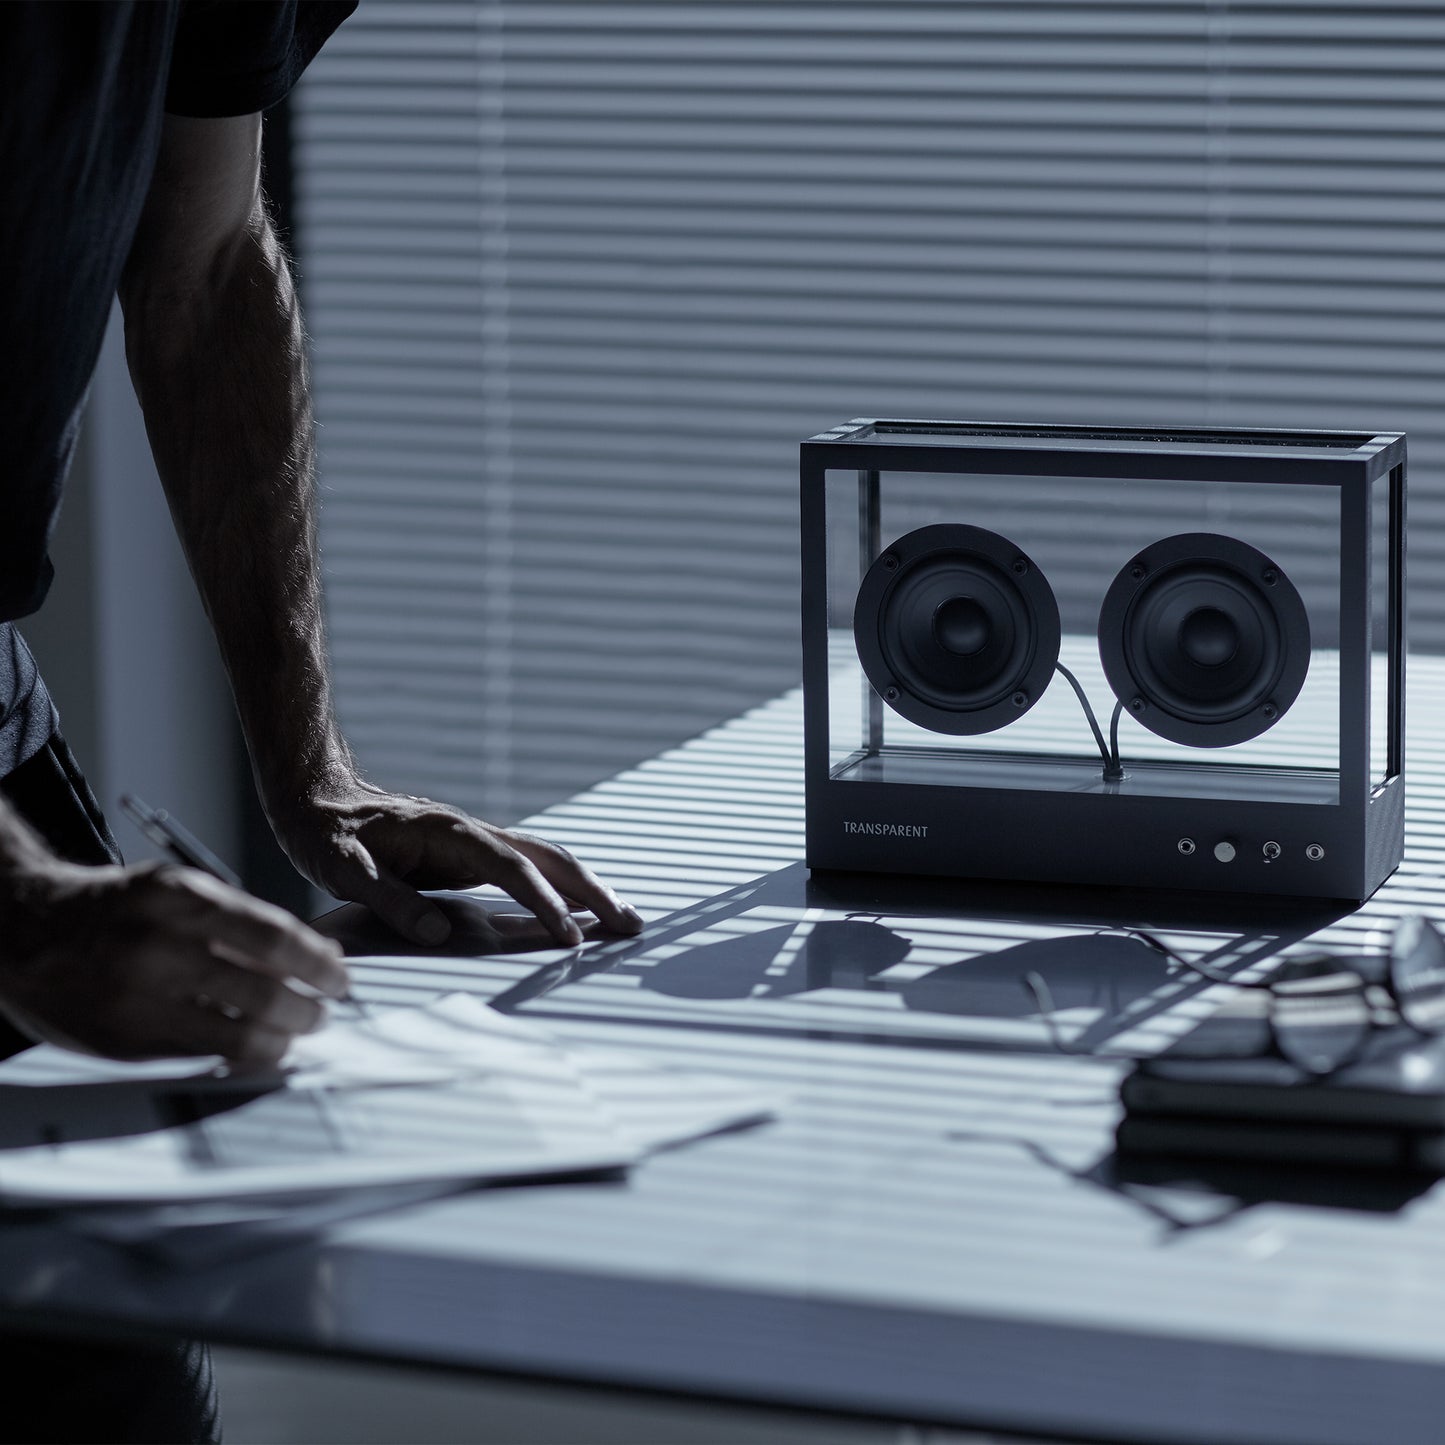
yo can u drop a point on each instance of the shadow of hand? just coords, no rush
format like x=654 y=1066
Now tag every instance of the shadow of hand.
x=479 y=926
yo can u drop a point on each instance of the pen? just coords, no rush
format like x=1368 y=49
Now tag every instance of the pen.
x=183 y=845
x=179 y=842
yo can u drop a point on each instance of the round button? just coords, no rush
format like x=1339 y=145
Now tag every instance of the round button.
x=1224 y=851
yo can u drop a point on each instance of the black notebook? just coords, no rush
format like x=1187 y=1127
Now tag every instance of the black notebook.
x=1179 y=1136
x=1386 y=1109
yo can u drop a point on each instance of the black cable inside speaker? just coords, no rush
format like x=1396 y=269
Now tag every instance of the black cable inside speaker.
x=1113 y=768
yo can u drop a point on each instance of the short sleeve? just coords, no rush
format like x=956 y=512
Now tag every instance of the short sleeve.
x=237 y=57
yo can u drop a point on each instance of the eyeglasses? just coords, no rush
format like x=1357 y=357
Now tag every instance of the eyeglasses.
x=1322 y=1009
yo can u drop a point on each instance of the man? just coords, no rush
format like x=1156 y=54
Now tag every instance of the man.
x=168 y=208
x=130 y=162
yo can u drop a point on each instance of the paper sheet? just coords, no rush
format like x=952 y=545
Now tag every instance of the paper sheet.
x=455 y=1037
x=448 y=1094
x=488 y=1100
x=654 y=1108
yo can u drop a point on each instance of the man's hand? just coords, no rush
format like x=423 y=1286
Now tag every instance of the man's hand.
x=377 y=848
x=158 y=961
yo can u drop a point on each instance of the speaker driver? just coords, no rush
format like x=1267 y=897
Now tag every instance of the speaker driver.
x=956 y=629
x=1204 y=640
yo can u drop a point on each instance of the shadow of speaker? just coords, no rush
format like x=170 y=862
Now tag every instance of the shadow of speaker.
x=1262 y=720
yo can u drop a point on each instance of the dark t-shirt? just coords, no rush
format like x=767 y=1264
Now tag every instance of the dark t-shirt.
x=82 y=90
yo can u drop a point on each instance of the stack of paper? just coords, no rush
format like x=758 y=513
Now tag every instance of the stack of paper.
x=369 y=1113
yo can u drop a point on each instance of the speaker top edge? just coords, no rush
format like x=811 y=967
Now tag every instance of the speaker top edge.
x=1277 y=456
x=871 y=429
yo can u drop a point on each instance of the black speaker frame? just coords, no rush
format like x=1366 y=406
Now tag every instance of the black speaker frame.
x=1342 y=850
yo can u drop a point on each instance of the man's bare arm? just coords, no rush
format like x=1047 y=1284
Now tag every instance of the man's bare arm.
x=217 y=352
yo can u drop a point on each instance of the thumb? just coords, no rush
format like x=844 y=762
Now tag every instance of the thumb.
x=401 y=907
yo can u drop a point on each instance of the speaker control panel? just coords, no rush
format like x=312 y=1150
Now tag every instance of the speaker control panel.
x=1227 y=850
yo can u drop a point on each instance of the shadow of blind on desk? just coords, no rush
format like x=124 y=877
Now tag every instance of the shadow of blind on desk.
x=580 y=277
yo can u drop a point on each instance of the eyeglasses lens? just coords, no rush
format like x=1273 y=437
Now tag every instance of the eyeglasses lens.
x=1320 y=1015
x=1417 y=974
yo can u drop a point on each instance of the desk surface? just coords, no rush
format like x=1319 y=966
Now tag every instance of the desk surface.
x=933 y=1230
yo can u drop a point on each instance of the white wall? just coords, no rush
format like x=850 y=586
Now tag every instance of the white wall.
x=122 y=640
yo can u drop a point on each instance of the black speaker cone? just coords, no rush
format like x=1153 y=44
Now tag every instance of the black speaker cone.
x=1204 y=639
x=1209 y=637
x=961 y=625
x=956 y=629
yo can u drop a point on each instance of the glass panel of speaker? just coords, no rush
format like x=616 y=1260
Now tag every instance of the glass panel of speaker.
x=1379 y=630
x=967 y=613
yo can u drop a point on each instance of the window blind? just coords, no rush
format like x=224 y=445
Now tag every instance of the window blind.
x=580 y=277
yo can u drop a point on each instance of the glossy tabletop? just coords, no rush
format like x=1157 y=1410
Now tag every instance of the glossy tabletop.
x=934 y=1228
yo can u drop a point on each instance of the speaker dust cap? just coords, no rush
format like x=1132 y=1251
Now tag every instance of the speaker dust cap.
x=1204 y=640
x=956 y=629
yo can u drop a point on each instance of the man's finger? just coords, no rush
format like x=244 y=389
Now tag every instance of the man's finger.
x=240 y=991
x=519 y=876
x=243 y=1041
x=467 y=854
x=577 y=882
x=260 y=936
x=190 y=1025
x=400 y=907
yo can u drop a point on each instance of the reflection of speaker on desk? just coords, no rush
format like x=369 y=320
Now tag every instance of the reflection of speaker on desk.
x=1239 y=593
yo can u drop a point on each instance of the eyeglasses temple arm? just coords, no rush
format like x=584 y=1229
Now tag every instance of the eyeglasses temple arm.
x=1044 y=1002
